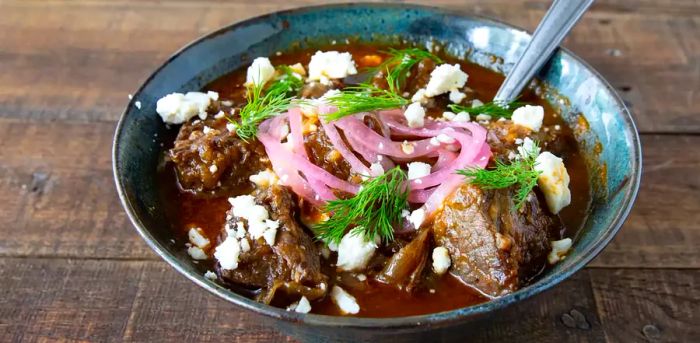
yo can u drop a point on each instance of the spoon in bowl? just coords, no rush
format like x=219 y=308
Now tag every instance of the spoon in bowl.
x=556 y=24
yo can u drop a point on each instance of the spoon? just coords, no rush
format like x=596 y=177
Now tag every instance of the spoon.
x=556 y=24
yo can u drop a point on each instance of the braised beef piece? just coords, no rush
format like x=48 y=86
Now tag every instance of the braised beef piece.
x=494 y=247
x=195 y=152
x=322 y=153
x=502 y=137
x=405 y=268
x=292 y=265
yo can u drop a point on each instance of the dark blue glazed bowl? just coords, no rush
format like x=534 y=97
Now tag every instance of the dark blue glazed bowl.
x=607 y=136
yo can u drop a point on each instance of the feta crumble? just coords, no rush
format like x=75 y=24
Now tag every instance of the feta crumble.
x=302 y=306
x=260 y=71
x=177 y=108
x=331 y=65
x=210 y=275
x=344 y=301
x=559 y=250
x=417 y=217
x=259 y=224
x=443 y=138
x=354 y=252
x=554 y=181
x=456 y=96
x=138 y=104
x=462 y=117
x=265 y=178
x=407 y=147
x=441 y=260
x=445 y=78
x=448 y=115
x=529 y=116
x=228 y=251
x=197 y=238
x=197 y=253
x=419 y=96
x=213 y=168
x=417 y=170
x=415 y=115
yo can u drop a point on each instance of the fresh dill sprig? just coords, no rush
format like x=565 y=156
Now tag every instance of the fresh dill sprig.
x=520 y=172
x=289 y=83
x=364 y=98
x=275 y=100
x=494 y=108
x=401 y=61
x=371 y=212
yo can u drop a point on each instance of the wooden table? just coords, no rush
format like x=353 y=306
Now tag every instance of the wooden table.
x=73 y=269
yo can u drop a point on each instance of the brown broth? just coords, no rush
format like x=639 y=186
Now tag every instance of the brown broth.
x=376 y=299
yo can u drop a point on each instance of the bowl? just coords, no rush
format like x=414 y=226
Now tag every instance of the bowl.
x=603 y=126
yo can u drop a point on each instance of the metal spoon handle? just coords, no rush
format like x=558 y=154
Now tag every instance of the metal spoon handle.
x=556 y=24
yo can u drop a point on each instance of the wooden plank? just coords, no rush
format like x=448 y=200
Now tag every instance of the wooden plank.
x=648 y=305
x=39 y=178
x=143 y=300
x=56 y=63
x=109 y=301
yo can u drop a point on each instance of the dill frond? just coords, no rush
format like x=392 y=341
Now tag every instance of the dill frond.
x=494 y=109
x=371 y=212
x=364 y=98
x=275 y=100
x=520 y=172
x=401 y=61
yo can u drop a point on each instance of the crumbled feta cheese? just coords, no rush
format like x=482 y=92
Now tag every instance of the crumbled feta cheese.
x=269 y=235
x=344 y=301
x=264 y=178
x=434 y=141
x=331 y=65
x=354 y=252
x=210 y=275
x=405 y=213
x=456 y=96
x=361 y=277
x=529 y=116
x=302 y=306
x=559 y=250
x=407 y=147
x=231 y=127
x=220 y=115
x=462 y=117
x=518 y=141
x=448 y=115
x=419 y=96
x=477 y=103
x=245 y=245
x=196 y=253
x=443 y=138
x=417 y=170
x=376 y=169
x=197 y=238
x=417 y=217
x=441 y=260
x=177 y=108
x=483 y=117
x=213 y=168
x=138 y=104
x=259 y=225
x=554 y=181
x=445 y=78
x=260 y=71
x=415 y=115
x=227 y=252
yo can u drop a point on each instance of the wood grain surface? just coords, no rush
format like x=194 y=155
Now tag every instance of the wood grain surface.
x=73 y=269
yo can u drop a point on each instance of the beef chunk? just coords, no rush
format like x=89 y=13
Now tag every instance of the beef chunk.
x=502 y=136
x=196 y=152
x=292 y=265
x=493 y=247
x=322 y=153
x=405 y=268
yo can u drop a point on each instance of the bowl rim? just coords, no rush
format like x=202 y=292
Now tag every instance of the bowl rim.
x=414 y=321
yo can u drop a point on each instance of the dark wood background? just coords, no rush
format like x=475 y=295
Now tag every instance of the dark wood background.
x=73 y=269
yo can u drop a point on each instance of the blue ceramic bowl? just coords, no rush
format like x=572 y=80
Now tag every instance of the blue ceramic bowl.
x=575 y=89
